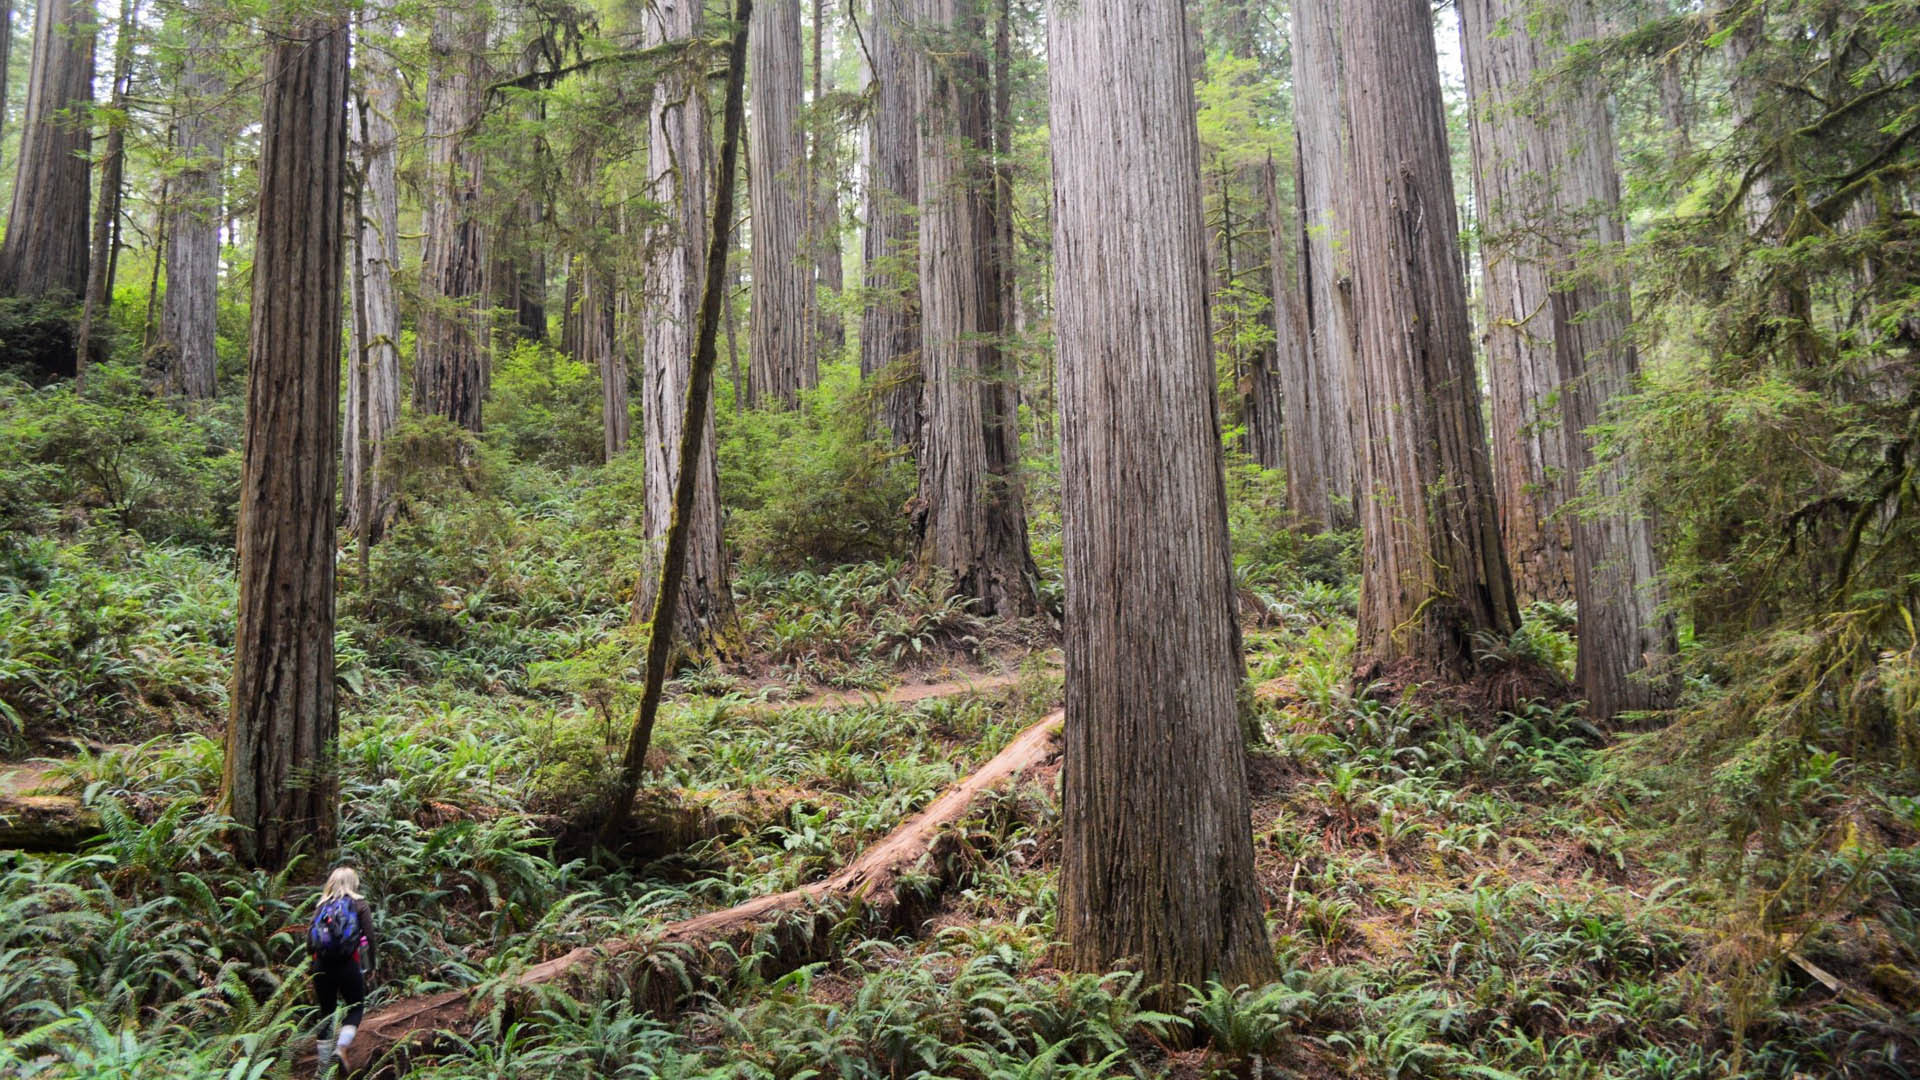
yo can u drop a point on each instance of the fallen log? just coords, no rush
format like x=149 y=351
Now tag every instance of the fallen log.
x=663 y=970
x=45 y=823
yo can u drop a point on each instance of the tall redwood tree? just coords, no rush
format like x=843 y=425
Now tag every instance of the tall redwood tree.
x=279 y=783
x=1157 y=868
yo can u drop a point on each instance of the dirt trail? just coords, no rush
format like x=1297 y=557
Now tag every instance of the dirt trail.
x=899 y=695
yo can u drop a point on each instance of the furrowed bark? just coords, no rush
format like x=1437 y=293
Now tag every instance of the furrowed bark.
x=279 y=783
x=1157 y=864
x=1318 y=394
x=1512 y=162
x=450 y=366
x=890 y=325
x=968 y=517
x=45 y=251
x=1435 y=574
x=187 y=317
x=779 y=359
x=703 y=621
x=373 y=383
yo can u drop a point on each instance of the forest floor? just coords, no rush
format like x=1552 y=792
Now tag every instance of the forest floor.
x=1450 y=894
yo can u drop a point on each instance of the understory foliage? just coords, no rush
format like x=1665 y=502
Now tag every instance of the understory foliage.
x=1781 y=327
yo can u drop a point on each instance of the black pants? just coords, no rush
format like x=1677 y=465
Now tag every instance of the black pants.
x=334 y=980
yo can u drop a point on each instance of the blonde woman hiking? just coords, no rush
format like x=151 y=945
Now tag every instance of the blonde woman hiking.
x=340 y=940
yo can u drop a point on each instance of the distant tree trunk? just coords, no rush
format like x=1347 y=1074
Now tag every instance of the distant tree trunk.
x=450 y=367
x=113 y=168
x=1319 y=399
x=600 y=346
x=1292 y=351
x=1532 y=469
x=45 y=251
x=680 y=160
x=823 y=182
x=518 y=273
x=1549 y=192
x=187 y=318
x=1434 y=572
x=373 y=370
x=1157 y=864
x=1266 y=385
x=6 y=60
x=890 y=326
x=969 y=514
x=778 y=356
x=279 y=783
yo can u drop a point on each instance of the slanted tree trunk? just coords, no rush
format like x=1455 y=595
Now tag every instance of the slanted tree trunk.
x=373 y=367
x=1157 y=864
x=1434 y=572
x=45 y=251
x=113 y=168
x=679 y=159
x=1318 y=397
x=279 y=784
x=890 y=325
x=1549 y=194
x=969 y=516
x=778 y=357
x=1532 y=469
x=823 y=185
x=450 y=367
x=187 y=317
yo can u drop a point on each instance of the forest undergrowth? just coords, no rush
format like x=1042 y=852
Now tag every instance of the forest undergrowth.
x=1450 y=893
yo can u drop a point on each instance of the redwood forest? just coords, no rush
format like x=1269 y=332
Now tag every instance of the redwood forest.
x=960 y=539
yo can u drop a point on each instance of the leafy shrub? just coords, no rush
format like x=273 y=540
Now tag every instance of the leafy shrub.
x=544 y=406
x=811 y=487
x=108 y=448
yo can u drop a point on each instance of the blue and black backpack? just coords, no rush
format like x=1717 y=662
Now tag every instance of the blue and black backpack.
x=335 y=931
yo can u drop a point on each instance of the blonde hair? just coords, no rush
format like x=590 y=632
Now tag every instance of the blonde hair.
x=342 y=882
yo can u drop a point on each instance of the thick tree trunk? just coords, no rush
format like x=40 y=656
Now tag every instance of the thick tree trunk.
x=187 y=317
x=1434 y=571
x=280 y=785
x=823 y=181
x=113 y=169
x=450 y=367
x=680 y=160
x=45 y=252
x=1549 y=192
x=1318 y=397
x=1157 y=865
x=779 y=361
x=969 y=515
x=373 y=368
x=1532 y=471
x=890 y=326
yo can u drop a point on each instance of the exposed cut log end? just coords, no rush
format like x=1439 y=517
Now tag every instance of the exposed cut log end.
x=891 y=884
